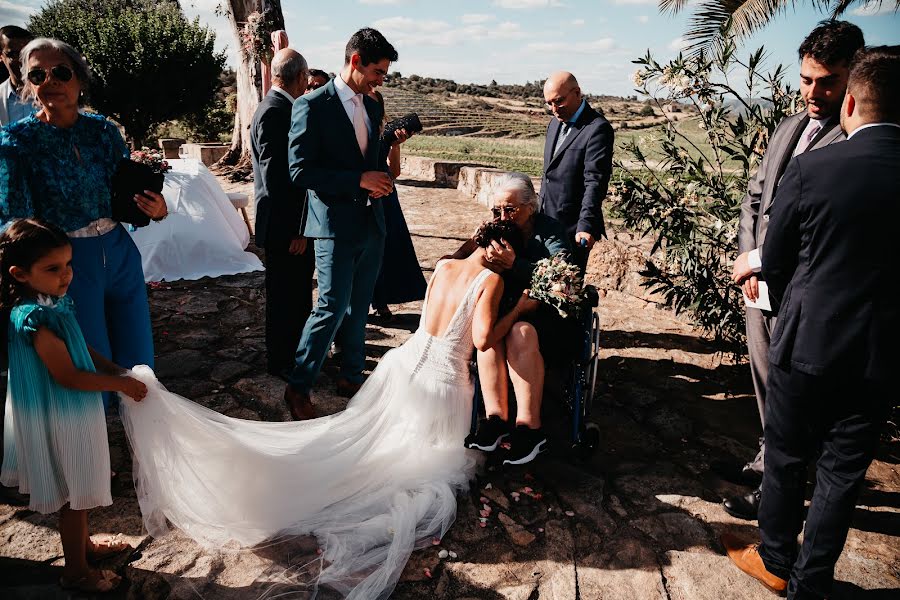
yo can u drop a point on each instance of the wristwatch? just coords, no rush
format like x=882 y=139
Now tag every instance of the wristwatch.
x=162 y=218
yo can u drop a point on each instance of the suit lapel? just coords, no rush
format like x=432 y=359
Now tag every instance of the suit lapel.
x=341 y=119
x=375 y=119
x=826 y=136
x=552 y=131
x=574 y=131
x=788 y=151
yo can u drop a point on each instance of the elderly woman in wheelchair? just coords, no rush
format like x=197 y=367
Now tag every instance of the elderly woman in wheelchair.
x=542 y=338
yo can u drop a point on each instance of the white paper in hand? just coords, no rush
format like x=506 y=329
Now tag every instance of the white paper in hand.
x=762 y=301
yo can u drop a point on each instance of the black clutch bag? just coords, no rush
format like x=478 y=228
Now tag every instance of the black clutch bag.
x=133 y=178
x=410 y=123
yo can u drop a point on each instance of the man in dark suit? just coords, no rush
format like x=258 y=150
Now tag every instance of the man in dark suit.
x=279 y=212
x=825 y=57
x=829 y=260
x=577 y=164
x=333 y=153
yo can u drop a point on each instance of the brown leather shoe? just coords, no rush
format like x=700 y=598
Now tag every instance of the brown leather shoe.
x=299 y=404
x=746 y=557
x=347 y=388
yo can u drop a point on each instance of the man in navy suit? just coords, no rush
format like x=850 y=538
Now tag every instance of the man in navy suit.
x=829 y=260
x=280 y=207
x=333 y=153
x=577 y=164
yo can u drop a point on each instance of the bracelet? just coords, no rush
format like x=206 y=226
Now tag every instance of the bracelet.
x=162 y=218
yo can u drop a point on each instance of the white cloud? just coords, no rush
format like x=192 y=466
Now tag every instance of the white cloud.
x=577 y=22
x=595 y=47
x=476 y=18
x=643 y=19
x=678 y=44
x=871 y=9
x=406 y=32
x=380 y=1
x=15 y=12
x=527 y=3
x=653 y=2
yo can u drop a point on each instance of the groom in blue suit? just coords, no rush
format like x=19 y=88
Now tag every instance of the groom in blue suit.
x=333 y=153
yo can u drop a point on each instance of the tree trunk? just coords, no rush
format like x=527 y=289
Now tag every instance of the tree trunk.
x=249 y=85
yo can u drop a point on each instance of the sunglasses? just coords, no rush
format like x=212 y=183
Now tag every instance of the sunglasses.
x=504 y=210
x=60 y=73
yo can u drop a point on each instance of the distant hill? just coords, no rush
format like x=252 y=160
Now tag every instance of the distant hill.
x=500 y=111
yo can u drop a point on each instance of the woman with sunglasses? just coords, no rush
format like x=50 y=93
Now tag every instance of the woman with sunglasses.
x=57 y=166
x=539 y=339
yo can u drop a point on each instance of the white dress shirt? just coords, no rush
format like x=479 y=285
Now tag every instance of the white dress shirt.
x=283 y=93
x=345 y=93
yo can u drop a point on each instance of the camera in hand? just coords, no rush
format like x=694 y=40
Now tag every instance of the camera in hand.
x=410 y=123
x=133 y=178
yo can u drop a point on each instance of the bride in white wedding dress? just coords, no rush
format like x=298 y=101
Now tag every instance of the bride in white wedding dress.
x=371 y=483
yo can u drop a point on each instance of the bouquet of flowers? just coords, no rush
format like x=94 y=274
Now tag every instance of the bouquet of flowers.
x=256 y=35
x=558 y=283
x=152 y=158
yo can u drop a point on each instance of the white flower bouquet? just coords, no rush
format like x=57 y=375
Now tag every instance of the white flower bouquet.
x=560 y=284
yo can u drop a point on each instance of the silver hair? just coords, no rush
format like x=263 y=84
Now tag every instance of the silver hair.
x=79 y=65
x=521 y=184
x=288 y=69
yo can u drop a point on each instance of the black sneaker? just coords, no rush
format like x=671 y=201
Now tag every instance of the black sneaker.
x=488 y=435
x=524 y=445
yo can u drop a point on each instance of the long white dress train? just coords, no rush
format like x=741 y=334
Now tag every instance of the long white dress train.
x=372 y=483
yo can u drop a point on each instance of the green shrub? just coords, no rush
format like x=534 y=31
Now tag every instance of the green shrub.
x=150 y=64
x=688 y=197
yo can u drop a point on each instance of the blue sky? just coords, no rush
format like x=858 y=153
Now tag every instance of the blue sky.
x=512 y=41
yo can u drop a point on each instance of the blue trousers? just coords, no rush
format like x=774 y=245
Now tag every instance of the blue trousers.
x=346 y=272
x=111 y=299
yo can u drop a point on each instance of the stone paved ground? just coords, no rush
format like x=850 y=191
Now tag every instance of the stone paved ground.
x=640 y=520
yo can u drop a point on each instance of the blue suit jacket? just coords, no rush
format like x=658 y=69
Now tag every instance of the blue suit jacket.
x=576 y=178
x=324 y=159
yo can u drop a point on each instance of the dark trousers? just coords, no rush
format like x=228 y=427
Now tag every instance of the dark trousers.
x=288 y=303
x=835 y=421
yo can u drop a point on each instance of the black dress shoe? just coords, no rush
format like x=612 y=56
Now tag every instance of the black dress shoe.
x=744 y=507
x=736 y=473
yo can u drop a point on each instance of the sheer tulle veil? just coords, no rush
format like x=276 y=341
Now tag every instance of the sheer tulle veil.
x=370 y=484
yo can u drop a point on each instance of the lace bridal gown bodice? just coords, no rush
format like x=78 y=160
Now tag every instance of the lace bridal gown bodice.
x=372 y=483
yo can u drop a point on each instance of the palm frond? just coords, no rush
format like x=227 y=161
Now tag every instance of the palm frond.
x=713 y=19
x=839 y=7
x=672 y=6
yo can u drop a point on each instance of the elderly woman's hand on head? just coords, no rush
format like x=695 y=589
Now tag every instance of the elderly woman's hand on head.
x=501 y=254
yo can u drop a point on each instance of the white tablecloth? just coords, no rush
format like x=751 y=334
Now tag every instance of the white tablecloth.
x=203 y=236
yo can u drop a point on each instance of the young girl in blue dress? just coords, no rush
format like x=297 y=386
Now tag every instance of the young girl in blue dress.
x=54 y=436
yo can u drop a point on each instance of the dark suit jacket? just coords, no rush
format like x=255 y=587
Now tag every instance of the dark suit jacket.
x=830 y=257
x=575 y=180
x=325 y=159
x=279 y=205
x=757 y=204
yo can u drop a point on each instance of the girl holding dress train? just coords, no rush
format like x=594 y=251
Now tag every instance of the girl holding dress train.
x=54 y=436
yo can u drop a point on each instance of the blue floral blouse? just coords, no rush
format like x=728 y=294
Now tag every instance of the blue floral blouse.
x=59 y=175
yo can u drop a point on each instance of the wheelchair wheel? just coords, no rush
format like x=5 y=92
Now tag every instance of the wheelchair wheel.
x=592 y=364
x=589 y=440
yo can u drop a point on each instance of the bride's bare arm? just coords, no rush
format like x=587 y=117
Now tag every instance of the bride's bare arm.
x=486 y=329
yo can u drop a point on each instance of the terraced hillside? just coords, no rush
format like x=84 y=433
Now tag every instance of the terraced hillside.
x=449 y=118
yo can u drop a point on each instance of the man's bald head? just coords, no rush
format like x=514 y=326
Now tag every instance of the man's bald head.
x=562 y=94
x=289 y=71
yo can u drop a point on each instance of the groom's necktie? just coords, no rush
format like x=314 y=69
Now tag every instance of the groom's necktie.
x=359 y=124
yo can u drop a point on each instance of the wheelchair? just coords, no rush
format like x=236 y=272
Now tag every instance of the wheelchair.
x=579 y=383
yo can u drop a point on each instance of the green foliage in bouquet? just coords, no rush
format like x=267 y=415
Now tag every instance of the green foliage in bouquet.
x=689 y=200
x=149 y=63
x=151 y=157
x=559 y=283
